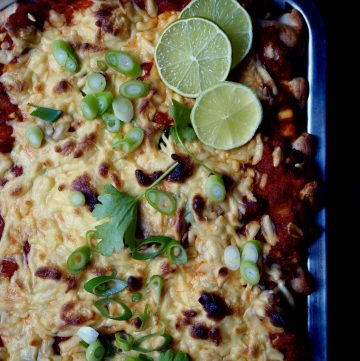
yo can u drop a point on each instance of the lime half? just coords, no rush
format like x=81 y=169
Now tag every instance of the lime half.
x=231 y=17
x=226 y=115
x=192 y=55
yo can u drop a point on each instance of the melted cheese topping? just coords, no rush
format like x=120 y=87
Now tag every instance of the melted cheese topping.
x=36 y=209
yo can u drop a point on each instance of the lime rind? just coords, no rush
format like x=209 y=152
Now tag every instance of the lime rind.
x=226 y=116
x=192 y=55
x=231 y=17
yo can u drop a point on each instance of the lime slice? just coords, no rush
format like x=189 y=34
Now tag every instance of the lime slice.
x=192 y=55
x=226 y=116
x=231 y=17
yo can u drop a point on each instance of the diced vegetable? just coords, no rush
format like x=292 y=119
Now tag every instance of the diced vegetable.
x=250 y=251
x=123 y=63
x=134 y=89
x=105 y=285
x=102 y=307
x=47 y=114
x=145 y=249
x=90 y=107
x=64 y=55
x=112 y=123
x=215 y=188
x=88 y=334
x=77 y=199
x=176 y=253
x=95 y=351
x=250 y=272
x=163 y=202
x=104 y=101
x=232 y=257
x=123 y=109
x=156 y=283
x=34 y=135
x=95 y=83
x=132 y=140
x=124 y=341
x=78 y=260
x=137 y=346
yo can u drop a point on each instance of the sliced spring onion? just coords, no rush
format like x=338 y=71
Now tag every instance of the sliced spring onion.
x=83 y=343
x=112 y=123
x=34 y=135
x=77 y=199
x=95 y=351
x=181 y=356
x=232 y=257
x=144 y=317
x=145 y=249
x=78 y=260
x=95 y=83
x=89 y=106
x=88 y=334
x=123 y=63
x=188 y=134
x=105 y=286
x=176 y=253
x=48 y=114
x=132 y=140
x=89 y=236
x=156 y=283
x=123 y=341
x=64 y=55
x=215 y=188
x=102 y=307
x=166 y=342
x=104 y=101
x=250 y=251
x=123 y=109
x=163 y=202
x=101 y=65
x=136 y=297
x=134 y=89
x=250 y=272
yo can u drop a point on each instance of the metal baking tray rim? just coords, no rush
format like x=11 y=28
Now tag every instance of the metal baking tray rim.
x=316 y=113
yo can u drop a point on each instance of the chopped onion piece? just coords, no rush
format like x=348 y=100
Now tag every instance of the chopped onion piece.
x=123 y=109
x=88 y=334
x=232 y=257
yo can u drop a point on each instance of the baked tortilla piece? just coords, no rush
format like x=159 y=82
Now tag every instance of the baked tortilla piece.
x=272 y=191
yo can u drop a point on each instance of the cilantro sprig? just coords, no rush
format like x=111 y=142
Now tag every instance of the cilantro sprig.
x=182 y=131
x=122 y=210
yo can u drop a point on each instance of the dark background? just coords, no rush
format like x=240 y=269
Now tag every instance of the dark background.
x=343 y=186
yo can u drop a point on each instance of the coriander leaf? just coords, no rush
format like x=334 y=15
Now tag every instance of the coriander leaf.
x=181 y=356
x=180 y=113
x=48 y=114
x=182 y=128
x=167 y=356
x=122 y=209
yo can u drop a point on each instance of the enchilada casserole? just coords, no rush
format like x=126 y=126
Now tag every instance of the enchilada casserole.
x=109 y=220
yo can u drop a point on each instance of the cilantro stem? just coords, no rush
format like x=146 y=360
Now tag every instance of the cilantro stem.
x=192 y=156
x=158 y=181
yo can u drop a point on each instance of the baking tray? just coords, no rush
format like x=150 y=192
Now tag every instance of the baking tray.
x=316 y=115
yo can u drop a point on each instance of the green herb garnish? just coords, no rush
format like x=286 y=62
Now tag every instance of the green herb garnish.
x=122 y=209
x=48 y=114
x=182 y=131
